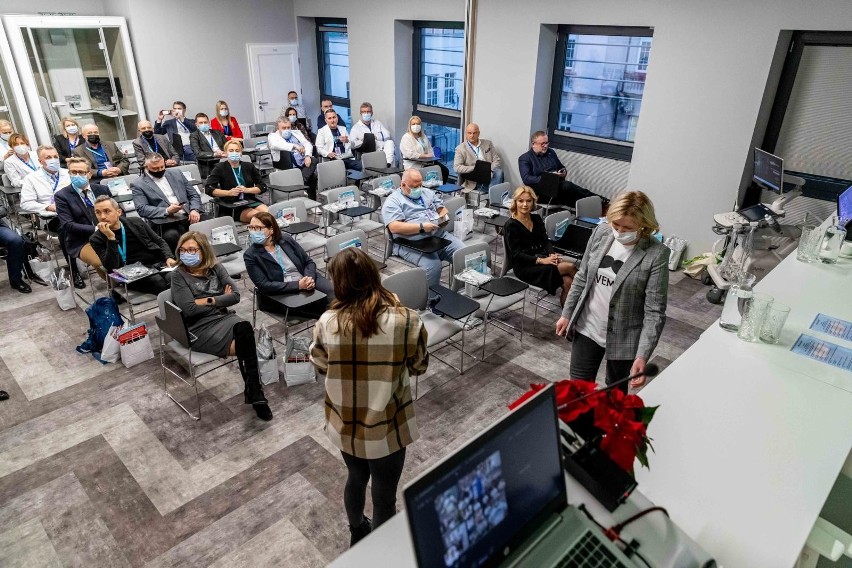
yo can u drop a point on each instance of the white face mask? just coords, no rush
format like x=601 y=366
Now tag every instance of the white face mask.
x=71 y=129
x=5 y=136
x=223 y=112
x=21 y=149
x=416 y=128
x=626 y=237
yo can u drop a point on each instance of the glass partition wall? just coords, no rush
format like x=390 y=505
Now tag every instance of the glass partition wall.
x=12 y=103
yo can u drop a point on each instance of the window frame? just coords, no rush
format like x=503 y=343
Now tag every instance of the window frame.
x=324 y=25
x=582 y=143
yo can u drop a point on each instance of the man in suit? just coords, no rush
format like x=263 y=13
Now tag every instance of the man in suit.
x=104 y=158
x=325 y=106
x=75 y=205
x=472 y=149
x=158 y=143
x=177 y=125
x=542 y=158
x=208 y=145
x=119 y=242
x=163 y=195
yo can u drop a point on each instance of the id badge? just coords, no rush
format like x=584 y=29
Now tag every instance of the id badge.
x=107 y=165
x=432 y=215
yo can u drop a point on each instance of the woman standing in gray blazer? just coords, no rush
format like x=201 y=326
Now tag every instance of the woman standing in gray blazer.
x=616 y=308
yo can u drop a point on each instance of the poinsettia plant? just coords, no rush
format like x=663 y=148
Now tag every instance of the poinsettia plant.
x=619 y=422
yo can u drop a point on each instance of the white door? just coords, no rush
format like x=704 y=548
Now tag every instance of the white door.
x=274 y=72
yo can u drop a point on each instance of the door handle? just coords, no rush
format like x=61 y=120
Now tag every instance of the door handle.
x=262 y=102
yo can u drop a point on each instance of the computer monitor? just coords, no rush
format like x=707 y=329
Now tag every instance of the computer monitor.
x=844 y=205
x=768 y=171
x=100 y=89
x=476 y=506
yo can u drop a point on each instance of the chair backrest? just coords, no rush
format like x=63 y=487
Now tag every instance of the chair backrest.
x=458 y=260
x=332 y=245
x=331 y=174
x=120 y=185
x=263 y=127
x=286 y=177
x=207 y=226
x=426 y=170
x=410 y=286
x=552 y=220
x=453 y=204
x=374 y=158
x=496 y=192
x=170 y=321
x=126 y=148
x=297 y=204
x=508 y=264
x=193 y=171
x=591 y=206
x=394 y=178
x=334 y=194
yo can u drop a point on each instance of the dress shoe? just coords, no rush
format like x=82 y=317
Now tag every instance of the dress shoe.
x=263 y=411
x=37 y=280
x=4 y=395
x=78 y=281
x=359 y=532
x=21 y=287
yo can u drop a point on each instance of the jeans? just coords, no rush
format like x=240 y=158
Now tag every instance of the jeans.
x=586 y=357
x=385 y=472
x=15 y=250
x=431 y=263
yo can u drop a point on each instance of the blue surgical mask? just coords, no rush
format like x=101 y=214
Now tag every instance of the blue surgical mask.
x=415 y=192
x=366 y=116
x=52 y=165
x=190 y=258
x=293 y=118
x=257 y=237
x=234 y=156
x=294 y=102
x=287 y=133
x=79 y=182
x=205 y=128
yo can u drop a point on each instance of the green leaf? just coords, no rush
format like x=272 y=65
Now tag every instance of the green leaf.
x=647 y=414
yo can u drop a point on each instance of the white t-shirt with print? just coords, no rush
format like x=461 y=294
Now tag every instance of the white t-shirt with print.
x=594 y=318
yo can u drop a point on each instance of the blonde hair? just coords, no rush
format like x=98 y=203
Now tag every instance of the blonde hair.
x=513 y=208
x=231 y=143
x=637 y=206
x=72 y=121
x=208 y=257
x=421 y=126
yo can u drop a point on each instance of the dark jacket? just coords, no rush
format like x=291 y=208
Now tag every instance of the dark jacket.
x=162 y=144
x=201 y=147
x=222 y=177
x=116 y=156
x=107 y=250
x=60 y=142
x=169 y=127
x=266 y=273
x=532 y=166
x=75 y=219
x=150 y=201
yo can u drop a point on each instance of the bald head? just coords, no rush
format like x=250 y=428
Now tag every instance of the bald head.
x=471 y=133
x=411 y=178
x=145 y=128
x=90 y=129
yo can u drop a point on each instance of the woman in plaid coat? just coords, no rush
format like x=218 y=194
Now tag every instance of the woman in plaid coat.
x=368 y=346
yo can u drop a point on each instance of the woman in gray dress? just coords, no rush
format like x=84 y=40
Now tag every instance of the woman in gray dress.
x=203 y=290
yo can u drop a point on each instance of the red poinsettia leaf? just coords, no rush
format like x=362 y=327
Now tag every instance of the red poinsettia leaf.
x=534 y=388
x=633 y=401
x=621 y=451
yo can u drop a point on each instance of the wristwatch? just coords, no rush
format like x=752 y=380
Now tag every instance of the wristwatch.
x=422 y=231
x=210 y=300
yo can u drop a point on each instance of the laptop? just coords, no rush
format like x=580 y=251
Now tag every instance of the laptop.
x=548 y=186
x=575 y=238
x=501 y=501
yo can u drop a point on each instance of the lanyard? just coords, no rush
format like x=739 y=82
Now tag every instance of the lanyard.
x=100 y=152
x=72 y=145
x=156 y=147
x=280 y=258
x=227 y=127
x=122 y=248
x=55 y=181
x=370 y=126
x=27 y=163
x=213 y=145
x=419 y=200
x=422 y=141
x=475 y=149
x=238 y=175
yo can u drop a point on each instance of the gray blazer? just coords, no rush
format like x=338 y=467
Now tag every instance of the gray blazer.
x=164 y=145
x=465 y=159
x=637 y=308
x=152 y=203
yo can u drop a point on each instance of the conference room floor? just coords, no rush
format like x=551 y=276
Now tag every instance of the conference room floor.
x=99 y=468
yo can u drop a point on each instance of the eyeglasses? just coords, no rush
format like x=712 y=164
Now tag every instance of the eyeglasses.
x=256 y=227
x=542 y=143
x=188 y=250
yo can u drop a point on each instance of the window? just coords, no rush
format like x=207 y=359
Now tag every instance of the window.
x=439 y=84
x=599 y=80
x=333 y=59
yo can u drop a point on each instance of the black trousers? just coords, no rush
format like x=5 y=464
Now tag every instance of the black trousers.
x=385 y=472
x=153 y=284
x=586 y=357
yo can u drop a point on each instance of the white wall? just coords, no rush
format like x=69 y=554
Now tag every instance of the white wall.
x=75 y=7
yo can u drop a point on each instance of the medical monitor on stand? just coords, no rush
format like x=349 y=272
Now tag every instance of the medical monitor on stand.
x=768 y=174
x=844 y=211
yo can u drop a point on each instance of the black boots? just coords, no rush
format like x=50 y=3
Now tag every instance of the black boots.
x=246 y=351
x=359 y=532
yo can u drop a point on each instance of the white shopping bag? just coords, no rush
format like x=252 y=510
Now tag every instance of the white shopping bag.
x=111 y=351
x=135 y=345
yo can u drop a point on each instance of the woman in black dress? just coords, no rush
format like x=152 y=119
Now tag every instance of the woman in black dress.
x=237 y=184
x=67 y=140
x=532 y=253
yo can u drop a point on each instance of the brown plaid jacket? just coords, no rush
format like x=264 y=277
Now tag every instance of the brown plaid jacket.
x=369 y=411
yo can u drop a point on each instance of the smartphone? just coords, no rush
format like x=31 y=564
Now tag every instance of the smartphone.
x=167 y=111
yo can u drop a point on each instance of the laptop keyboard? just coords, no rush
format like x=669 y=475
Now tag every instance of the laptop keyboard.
x=589 y=552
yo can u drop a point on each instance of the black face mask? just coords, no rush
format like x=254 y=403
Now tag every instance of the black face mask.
x=148 y=134
x=93 y=139
x=158 y=174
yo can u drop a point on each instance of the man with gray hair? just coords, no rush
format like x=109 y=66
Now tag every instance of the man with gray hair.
x=157 y=143
x=288 y=141
x=166 y=198
x=121 y=241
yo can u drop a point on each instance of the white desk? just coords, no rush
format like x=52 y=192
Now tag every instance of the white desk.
x=750 y=437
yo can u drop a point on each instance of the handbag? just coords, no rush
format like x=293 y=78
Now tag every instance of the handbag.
x=111 y=351
x=135 y=345
x=296 y=364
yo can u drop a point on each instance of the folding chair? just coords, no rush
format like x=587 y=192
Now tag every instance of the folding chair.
x=310 y=240
x=233 y=263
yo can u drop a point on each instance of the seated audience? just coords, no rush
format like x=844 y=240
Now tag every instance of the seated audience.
x=235 y=183
x=204 y=291
x=277 y=264
x=6 y=132
x=325 y=106
x=472 y=149
x=413 y=212
x=166 y=194
x=293 y=102
x=333 y=142
x=293 y=116
x=540 y=159
x=149 y=142
x=178 y=124
x=368 y=346
x=119 y=242
x=207 y=144
x=369 y=125
x=21 y=163
x=75 y=206
x=14 y=245
x=225 y=123
x=289 y=139
x=416 y=150
x=533 y=259
x=105 y=159
x=68 y=139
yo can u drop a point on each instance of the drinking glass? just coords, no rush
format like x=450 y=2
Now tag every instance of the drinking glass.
x=809 y=243
x=735 y=301
x=832 y=240
x=774 y=323
x=755 y=312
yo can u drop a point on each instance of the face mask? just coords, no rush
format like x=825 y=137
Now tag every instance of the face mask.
x=294 y=102
x=257 y=237
x=5 y=136
x=71 y=129
x=190 y=258
x=234 y=156
x=21 y=149
x=158 y=174
x=148 y=134
x=293 y=118
x=415 y=192
x=625 y=238
x=416 y=128
x=223 y=112
x=367 y=116
x=52 y=164
x=79 y=182
x=93 y=138
x=286 y=133
x=204 y=128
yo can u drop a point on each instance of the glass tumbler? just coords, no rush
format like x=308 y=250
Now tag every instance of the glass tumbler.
x=770 y=332
x=809 y=244
x=832 y=240
x=735 y=300
x=755 y=312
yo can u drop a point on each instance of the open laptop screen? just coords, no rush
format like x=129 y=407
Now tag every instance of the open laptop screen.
x=475 y=507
